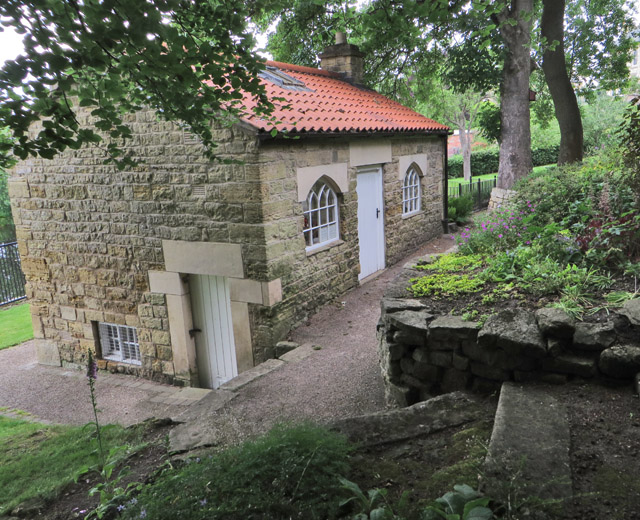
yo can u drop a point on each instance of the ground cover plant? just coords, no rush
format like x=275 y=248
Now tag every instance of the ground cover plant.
x=571 y=239
x=15 y=325
x=291 y=472
x=38 y=461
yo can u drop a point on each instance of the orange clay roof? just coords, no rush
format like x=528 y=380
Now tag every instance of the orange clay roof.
x=324 y=103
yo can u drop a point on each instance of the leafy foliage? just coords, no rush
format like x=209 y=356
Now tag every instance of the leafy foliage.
x=630 y=141
x=290 y=472
x=373 y=505
x=445 y=284
x=486 y=161
x=464 y=503
x=460 y=207
x=186 y=60
x=453 y=263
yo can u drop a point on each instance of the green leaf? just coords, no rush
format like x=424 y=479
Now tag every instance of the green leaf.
x=479 y=513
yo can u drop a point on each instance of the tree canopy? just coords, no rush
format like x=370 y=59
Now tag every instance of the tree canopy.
x=187 y=59
x=406 y=43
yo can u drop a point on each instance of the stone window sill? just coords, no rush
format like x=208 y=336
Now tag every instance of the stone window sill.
x=414 y=214
x=324 y=247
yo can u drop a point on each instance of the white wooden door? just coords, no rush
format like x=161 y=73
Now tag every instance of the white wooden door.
x=370 y=221
x=215 y=346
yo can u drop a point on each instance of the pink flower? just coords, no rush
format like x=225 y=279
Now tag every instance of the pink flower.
x=500 y=236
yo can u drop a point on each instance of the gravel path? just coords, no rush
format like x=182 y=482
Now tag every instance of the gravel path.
x=340 y=379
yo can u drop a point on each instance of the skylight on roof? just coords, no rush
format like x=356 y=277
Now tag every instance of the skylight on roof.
x=275 y=75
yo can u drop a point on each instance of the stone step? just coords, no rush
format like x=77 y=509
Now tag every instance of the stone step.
x=529 y=450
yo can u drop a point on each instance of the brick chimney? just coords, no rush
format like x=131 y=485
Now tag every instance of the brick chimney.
x=344 y=58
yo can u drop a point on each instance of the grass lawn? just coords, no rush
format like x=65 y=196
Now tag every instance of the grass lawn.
x=39 y=460
x=15 y=325
x=460 y=180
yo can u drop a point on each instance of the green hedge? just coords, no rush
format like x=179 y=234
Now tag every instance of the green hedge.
x=486 y=161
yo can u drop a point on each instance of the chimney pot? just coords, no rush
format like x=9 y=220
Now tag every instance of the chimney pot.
x=341 y=38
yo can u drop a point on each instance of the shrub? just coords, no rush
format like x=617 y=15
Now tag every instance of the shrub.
x=460 y=207
x=292 y=472
x=487 y=161
x=498 y=231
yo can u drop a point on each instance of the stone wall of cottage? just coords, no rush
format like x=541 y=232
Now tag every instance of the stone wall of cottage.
x=313 y=279
x=88 y=233
x=404 y=234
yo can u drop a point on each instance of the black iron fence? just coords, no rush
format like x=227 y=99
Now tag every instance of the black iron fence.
x=11 y=276
x=480 y=190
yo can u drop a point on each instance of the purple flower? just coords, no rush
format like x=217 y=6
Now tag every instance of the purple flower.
x=143 y=513
x=121 y=507
x=500 y=236
x=203 y=502
x=92 y=367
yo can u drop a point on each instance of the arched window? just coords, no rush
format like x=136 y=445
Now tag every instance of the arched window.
x=320 y=216
x=411 y=192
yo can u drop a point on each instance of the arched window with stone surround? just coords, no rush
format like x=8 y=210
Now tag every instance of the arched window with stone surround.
x=411 y=194
x=321 y=216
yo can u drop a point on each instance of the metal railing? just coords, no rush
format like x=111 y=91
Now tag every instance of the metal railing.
x=11 y=275
x=480 y=190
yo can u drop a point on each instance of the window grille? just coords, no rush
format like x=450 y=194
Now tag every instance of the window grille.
x=119 y=343
x=411 y=192
x=320 y=216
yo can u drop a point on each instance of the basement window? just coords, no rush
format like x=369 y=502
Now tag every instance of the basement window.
x=119 y=343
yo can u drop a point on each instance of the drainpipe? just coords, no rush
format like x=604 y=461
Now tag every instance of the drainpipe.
x=445 y=194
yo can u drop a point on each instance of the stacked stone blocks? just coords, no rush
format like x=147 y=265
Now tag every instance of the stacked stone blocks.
x=422 y=354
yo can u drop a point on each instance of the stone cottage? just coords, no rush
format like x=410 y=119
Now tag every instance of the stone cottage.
x=187 y=270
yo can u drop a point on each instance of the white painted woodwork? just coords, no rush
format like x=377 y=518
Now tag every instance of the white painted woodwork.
x=215 y=345
x=370 y=221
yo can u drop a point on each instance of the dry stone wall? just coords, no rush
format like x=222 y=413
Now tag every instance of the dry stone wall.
x=422 y=354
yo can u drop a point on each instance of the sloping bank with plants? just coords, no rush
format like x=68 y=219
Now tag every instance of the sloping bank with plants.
x=546 y=289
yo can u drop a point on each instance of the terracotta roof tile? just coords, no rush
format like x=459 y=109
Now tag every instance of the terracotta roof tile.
x=321 y=102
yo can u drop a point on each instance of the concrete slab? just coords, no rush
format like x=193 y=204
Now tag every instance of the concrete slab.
x=422 y=418
x=298 y=354
x=251 y=375
x=192 y=393
x=529 y=449
x=196 y=428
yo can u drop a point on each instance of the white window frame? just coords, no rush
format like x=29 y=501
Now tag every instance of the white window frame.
x=119 y=343
x=321 y=216
x=411 y=192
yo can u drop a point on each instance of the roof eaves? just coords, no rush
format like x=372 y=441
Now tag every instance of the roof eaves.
x=266 y=136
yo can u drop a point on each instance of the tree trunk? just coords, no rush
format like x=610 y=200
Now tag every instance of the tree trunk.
x=465 y=145
x=515 y=147
x=555 y=73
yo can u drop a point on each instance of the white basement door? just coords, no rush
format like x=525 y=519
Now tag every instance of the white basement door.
x=215 y=346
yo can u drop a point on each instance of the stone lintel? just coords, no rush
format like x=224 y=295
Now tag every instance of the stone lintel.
x=308 y=176
x=365 y=153
x=405 y=161
x=210 y=258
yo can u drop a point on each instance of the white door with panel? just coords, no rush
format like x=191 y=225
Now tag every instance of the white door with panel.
x=213 y=328
x=370 y=220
